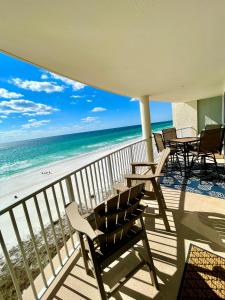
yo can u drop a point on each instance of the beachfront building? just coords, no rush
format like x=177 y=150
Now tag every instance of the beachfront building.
x=161 y=50
x=200 y=112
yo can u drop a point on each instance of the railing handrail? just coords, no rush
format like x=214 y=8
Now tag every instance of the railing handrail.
x=20 y=201
x=13 y=205
x=44 y=211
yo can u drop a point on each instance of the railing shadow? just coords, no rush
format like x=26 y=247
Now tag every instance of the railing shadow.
x=168 y=248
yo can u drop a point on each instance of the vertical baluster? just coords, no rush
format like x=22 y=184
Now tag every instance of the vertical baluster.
x=100 y=179
x=78 y=192
x=34 y=243
x=20 y=244
x=11 y=268
x=131 y=153
x=52 y=227
x=126 y=160
x=84 y=192
x=97 y=182
x=92 y=183
x=104 y=174
x=134 y=153
x=67 y=219
x=88 y=188
x=60 y=220
x=44 y=235
x=122 y=161
x=119 y=166
x=110 y=172
x=142 y=146
x=112 y=168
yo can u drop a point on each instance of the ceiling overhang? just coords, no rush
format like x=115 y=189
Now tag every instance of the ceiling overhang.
x=171 y=50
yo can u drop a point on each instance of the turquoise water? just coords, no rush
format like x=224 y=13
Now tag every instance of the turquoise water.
x=21 y=156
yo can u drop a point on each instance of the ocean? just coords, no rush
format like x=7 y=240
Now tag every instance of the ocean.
x=17 y=157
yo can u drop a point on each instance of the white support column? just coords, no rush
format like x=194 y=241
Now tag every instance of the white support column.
x=146 y=125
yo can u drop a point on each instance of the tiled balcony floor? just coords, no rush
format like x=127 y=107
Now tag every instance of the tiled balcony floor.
x=194 y=218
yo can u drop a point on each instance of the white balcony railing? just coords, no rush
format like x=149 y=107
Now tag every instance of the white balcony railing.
x=37 y=226
x=35 y=231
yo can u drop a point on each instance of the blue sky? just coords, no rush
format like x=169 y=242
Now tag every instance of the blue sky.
x=36 y=103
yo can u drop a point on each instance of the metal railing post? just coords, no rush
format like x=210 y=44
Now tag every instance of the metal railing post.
x=110 y=170
x=10 y=266
x=69 y=187
x=131 y=153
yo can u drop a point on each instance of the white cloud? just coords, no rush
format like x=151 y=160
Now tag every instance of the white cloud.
x=7 y=95
x=89 y=100
x=37 y=86
x=73 y=102
x=25 y=107
x=89 y=119
x=74 y=84
x=3 y=117
x=98 y=109
x=76 y=96
x=44 y=76
x=1 y=121
x=133 y=99
x=34 y=123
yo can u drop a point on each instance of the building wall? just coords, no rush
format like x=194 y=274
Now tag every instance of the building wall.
x=196 y=114
x=209 y=111
x=186 y=115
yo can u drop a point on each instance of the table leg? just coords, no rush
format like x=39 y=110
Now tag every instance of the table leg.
x=185 y=161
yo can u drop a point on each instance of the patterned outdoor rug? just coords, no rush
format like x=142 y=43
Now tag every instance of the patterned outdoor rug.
x=210 y=185
x=204 y=276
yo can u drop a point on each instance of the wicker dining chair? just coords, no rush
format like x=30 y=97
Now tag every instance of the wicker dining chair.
x=212 y=126
x=118 y=226
x=174 y=151
x=211 y=142
x=169 y=134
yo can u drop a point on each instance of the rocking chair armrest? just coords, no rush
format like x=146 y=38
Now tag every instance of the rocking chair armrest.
x=141 y=177
x=78 y=222
x=143 y=164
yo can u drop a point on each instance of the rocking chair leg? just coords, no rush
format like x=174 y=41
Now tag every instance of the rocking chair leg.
x=161 y=203
x=98 y=276
x=84 y=254
x=149 y=261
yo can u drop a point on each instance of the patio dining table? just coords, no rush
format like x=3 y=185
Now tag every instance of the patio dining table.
x=184 y=143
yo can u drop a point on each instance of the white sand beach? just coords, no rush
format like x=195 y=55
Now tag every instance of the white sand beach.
x=23 y=184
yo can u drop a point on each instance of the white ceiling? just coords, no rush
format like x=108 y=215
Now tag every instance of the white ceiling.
x=171 y=50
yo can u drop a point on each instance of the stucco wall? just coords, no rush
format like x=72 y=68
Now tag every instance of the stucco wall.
x=185 y=115
x=209 y=111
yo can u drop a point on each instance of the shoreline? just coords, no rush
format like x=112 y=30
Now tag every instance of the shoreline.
x=23 y=184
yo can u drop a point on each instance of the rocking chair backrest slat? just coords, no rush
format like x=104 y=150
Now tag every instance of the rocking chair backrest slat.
x=117 y=232
x=163 y=158
x=78 y=222
x=116 y=219
x=159 y=142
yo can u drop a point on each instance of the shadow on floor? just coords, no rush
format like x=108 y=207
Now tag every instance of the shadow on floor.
x=169 y=251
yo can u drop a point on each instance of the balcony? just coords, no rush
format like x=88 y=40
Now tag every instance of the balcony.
x=41 y=253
